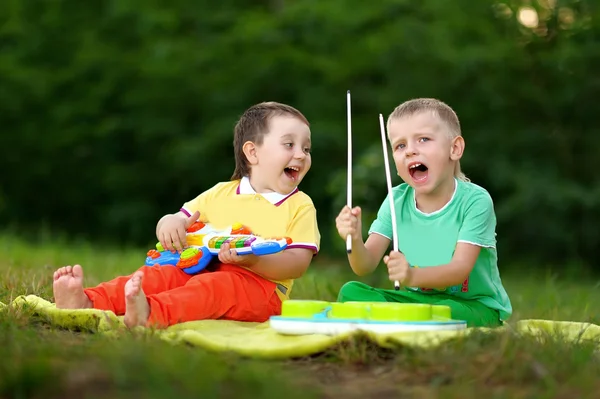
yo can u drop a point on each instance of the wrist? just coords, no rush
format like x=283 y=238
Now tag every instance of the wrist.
x=411 y=273
x=165 y=218
x=356 y=240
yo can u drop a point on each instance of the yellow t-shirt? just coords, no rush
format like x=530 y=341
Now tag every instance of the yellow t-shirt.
x=267 y=215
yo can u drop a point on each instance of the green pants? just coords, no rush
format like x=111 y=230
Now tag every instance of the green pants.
x=473 y=312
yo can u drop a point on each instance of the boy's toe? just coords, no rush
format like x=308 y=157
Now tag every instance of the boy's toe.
x=77 y=271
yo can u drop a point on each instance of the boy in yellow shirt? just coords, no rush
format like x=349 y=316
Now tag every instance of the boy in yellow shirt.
x=272 y=154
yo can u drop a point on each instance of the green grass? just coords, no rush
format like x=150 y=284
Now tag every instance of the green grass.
x=38 y=361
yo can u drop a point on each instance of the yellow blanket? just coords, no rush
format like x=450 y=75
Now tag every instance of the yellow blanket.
x=259 y=340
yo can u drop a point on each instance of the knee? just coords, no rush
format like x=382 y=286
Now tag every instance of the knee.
x=350 y=291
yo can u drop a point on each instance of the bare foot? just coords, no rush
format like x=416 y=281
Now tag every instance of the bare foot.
x=137 y=309
x=68 y=288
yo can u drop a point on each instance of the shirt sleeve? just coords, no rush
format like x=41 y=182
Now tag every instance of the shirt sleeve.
x=479 y=223
x=382 y=225
x=303 y=229
x=198 y=204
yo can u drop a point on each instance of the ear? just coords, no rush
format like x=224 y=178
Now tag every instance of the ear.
x=249 y=149
x=457 y=147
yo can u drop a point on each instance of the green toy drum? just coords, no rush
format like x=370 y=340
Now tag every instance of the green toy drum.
x=365 y=311
x=303 y=308
x=392 y=311
x=349 y=310
x=441 y=312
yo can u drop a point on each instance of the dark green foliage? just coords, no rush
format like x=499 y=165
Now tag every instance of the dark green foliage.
x=114 y=113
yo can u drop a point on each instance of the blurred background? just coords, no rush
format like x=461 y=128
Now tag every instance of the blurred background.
x=113 y=113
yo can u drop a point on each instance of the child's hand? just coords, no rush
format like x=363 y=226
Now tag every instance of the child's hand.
x=398 y=267
x=230 y=256
x=348 y=223
x=172 y=233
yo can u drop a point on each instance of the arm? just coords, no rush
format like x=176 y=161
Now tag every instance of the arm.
x=447 y=275
x=365 y=257
x=287 y=264
x=290 y=263
x=293 y=262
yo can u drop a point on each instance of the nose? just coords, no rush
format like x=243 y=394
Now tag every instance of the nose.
x=410 y=150
x=299 y=153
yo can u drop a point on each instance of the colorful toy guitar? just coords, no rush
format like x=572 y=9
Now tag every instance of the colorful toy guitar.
x=204 y=243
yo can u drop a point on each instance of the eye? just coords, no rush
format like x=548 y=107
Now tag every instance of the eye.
x=423 y=139
x=400 y=146
x=307 y=150
x=288 y=145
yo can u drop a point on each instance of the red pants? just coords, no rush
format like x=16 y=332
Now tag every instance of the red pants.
x=230 y=292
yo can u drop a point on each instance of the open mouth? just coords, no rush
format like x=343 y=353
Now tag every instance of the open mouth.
x=292 y=172
x=418 y=172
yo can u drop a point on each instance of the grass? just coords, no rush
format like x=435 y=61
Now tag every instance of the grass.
x=39 y=361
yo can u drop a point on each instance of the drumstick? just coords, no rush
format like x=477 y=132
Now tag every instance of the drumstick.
x=388 y=179
x=349 y=184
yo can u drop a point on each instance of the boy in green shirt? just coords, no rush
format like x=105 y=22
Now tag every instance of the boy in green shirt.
x=446 y=224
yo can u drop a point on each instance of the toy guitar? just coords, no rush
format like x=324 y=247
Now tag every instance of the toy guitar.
x=204 y=243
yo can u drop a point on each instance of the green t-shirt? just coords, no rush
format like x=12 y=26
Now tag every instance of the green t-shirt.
x=430 y=239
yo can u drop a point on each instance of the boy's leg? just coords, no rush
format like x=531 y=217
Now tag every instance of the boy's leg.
x=110 y=295
x=473 y=312
x=357 y=291
x=230 y=292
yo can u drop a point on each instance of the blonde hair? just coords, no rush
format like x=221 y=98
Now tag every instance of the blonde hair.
x=440 y=110
x=253 y=125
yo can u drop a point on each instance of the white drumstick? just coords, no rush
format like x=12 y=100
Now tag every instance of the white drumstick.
x=349 y=184
x=388 y=179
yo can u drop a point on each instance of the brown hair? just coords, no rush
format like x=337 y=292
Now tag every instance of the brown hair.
x=441 y=110
x=253 y=125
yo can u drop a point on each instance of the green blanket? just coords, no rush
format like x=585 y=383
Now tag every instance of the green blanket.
x=259 y=340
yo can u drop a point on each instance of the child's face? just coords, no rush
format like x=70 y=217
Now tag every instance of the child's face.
x=423 y=150
x=283 y=159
